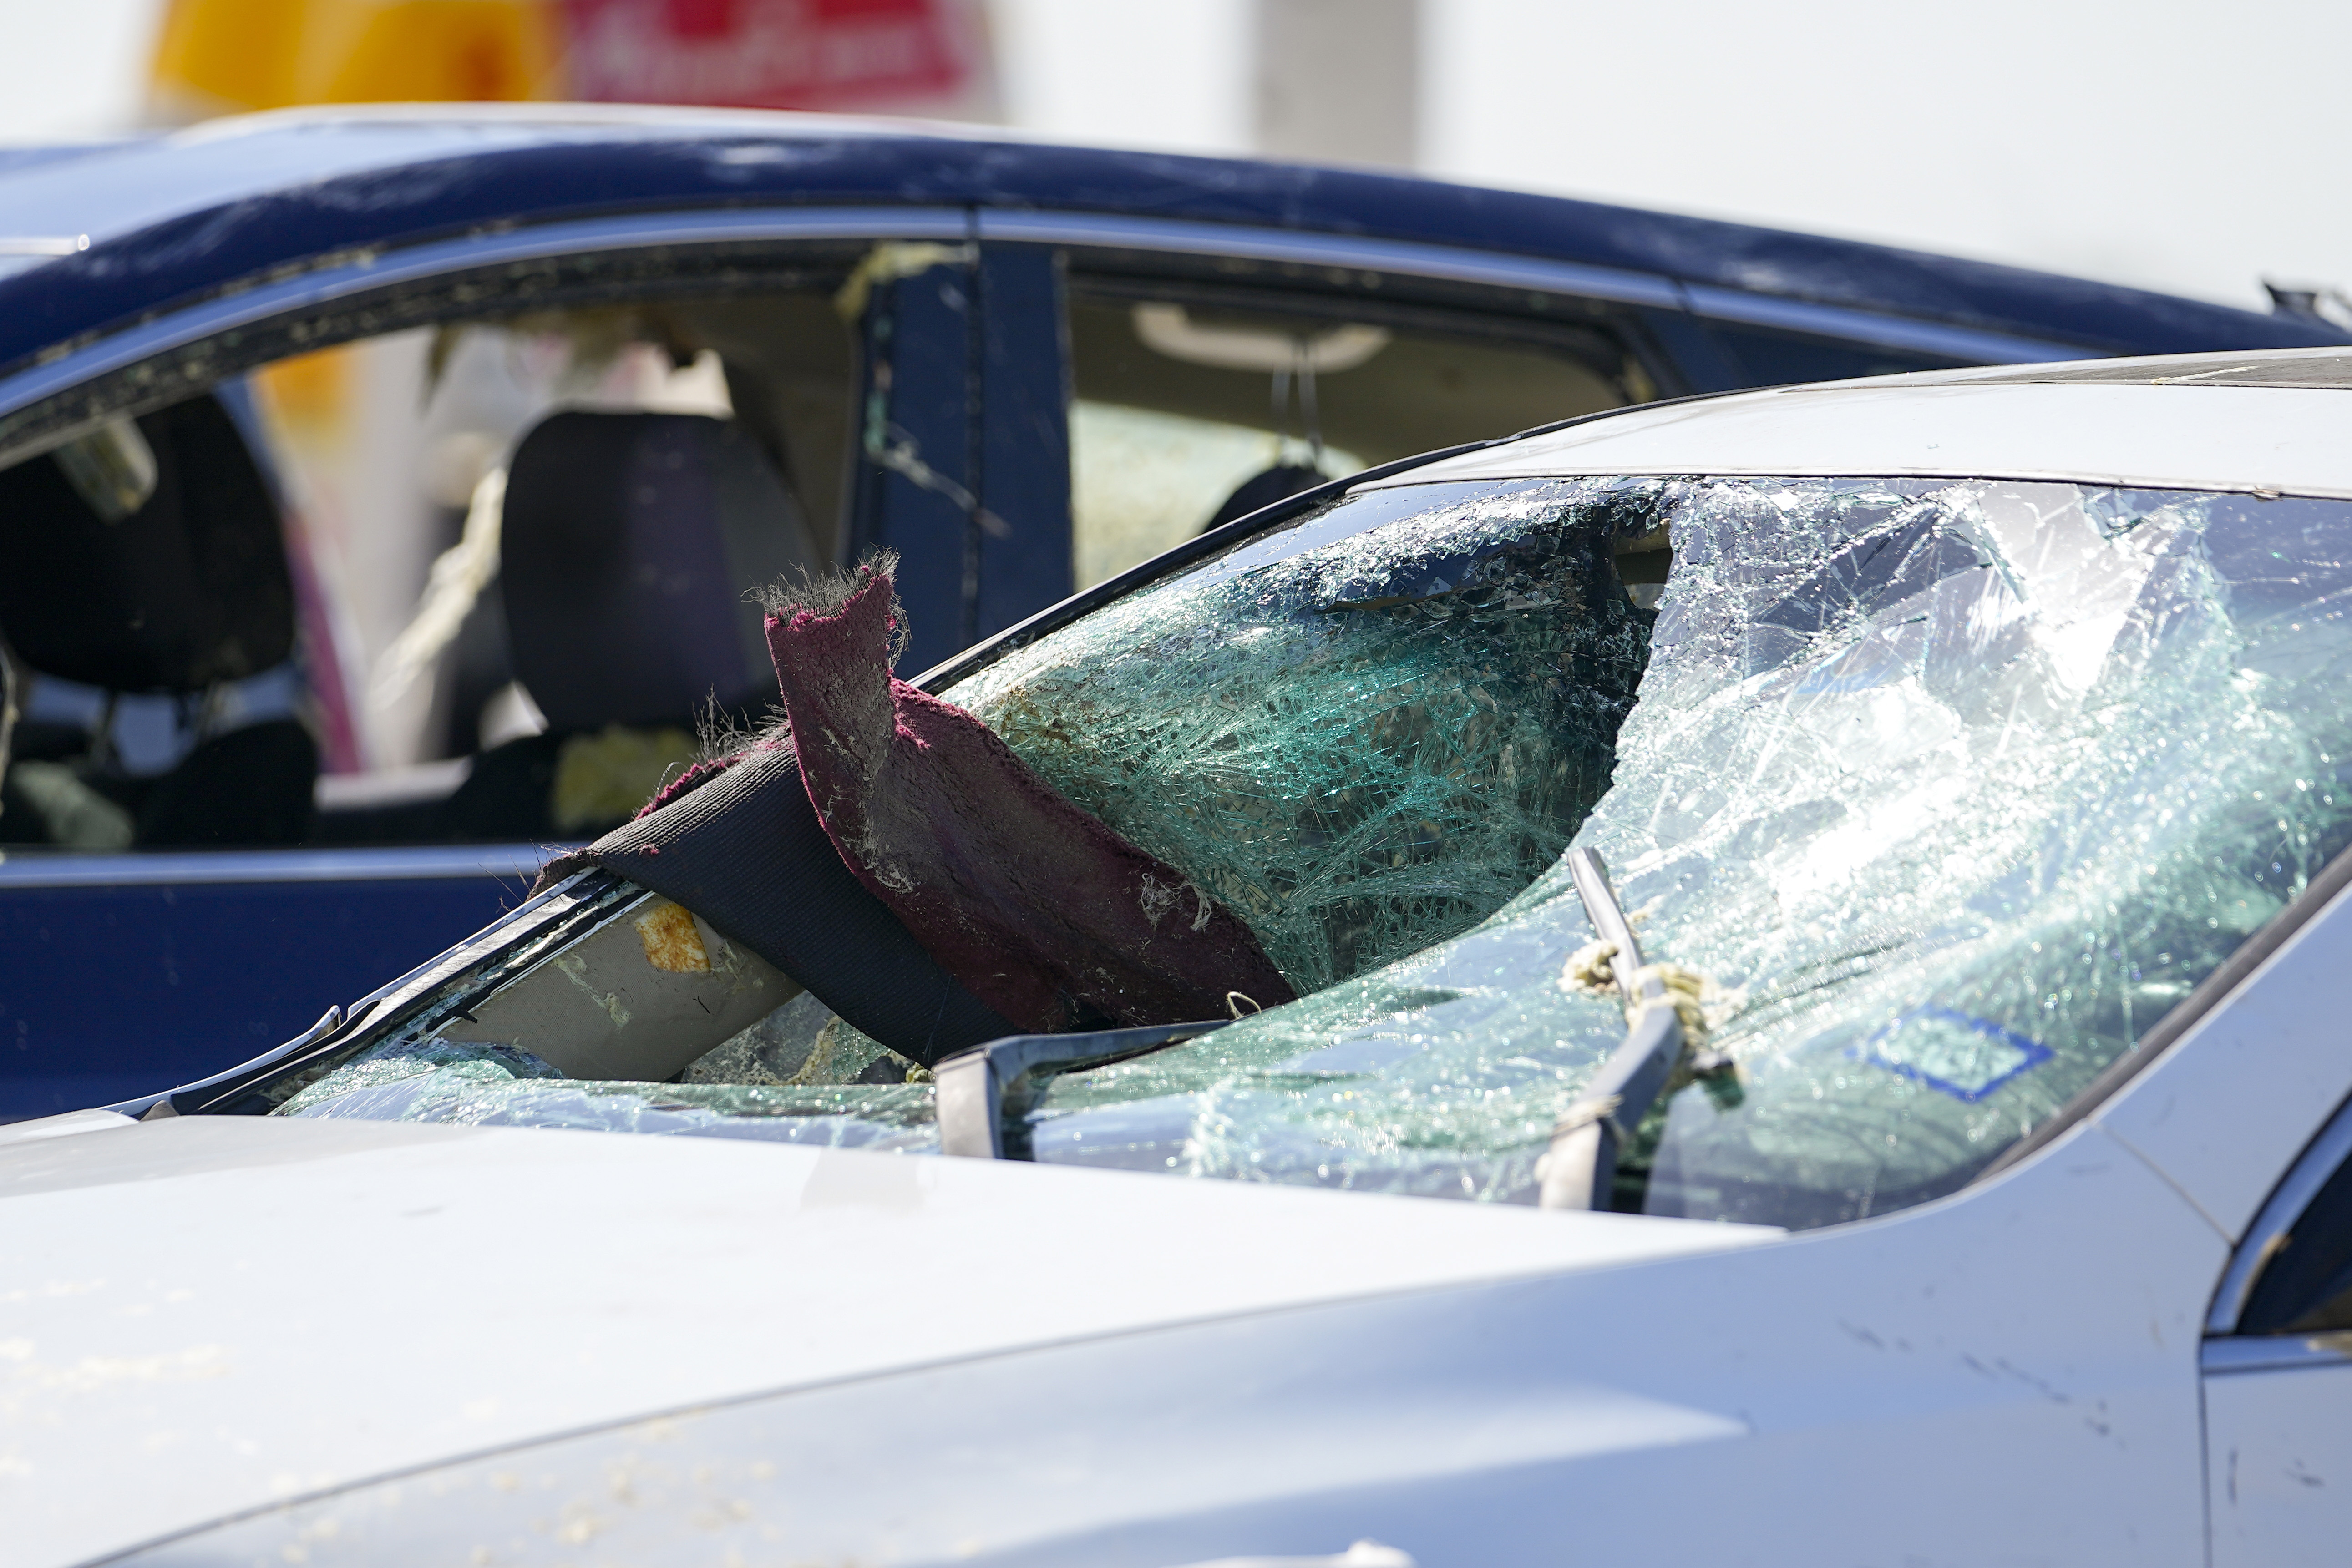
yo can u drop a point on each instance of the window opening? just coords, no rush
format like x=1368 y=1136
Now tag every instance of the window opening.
x=1193 y=405
x=378 y=488
x=2305 y=1283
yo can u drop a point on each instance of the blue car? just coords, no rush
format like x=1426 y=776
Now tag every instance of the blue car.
x=383 y=494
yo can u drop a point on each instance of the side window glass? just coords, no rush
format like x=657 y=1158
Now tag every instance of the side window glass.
x=476 y=580
x=1192 y=406
x=2305 y=1284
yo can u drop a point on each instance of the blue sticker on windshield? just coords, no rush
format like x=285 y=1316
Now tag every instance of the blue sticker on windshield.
x=1951 y=1053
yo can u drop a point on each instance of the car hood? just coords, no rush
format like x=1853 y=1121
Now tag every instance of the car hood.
x=201 y=1316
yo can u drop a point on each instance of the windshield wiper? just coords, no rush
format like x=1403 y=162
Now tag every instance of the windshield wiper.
x=982 y=1089
x=1580 y=1170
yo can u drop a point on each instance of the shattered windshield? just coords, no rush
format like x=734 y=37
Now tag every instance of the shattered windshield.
x=1936 y=795
x=1360 y=742
x=1945 y=791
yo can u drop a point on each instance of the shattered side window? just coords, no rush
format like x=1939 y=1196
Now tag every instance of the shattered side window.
x=1945 y=793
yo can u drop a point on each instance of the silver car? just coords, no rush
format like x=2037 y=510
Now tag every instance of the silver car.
x=1814 y=914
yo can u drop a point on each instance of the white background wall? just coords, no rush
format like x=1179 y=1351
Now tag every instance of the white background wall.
x=2177 y=145
x=71 y=69
x=2191 y=147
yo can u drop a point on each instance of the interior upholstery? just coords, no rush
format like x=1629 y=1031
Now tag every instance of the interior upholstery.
x=185 y=595
x=630 y=543
x=190 y=590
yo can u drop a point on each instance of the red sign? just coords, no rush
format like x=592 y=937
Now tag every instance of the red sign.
x=771 y=54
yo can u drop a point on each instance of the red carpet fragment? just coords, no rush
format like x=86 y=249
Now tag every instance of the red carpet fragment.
x=1035 y=904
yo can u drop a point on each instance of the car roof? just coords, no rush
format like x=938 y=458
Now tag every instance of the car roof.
x=2266 y=424
x=105 y=234
x=2326 y=369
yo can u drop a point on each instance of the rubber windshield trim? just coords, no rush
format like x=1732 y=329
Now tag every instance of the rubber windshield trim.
x=2274 y=1225
x=2192 y=1010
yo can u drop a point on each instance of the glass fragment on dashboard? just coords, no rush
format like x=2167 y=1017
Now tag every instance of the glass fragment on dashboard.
x=478 y=1085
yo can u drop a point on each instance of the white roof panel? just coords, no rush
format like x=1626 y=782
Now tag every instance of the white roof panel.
x=2178 y=435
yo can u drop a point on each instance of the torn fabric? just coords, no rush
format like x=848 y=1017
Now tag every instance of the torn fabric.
x=1042 y=910
x=740 y=844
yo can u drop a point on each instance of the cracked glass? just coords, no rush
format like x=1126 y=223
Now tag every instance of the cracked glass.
x=1945 y=791
x=476 y=1085
x=1942 y=793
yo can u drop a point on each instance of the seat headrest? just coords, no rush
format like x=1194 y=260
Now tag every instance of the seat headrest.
x=190 y=589
x=630 y=545
x=1263 y=490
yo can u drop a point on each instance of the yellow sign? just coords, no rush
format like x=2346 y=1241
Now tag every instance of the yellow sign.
x=223 y=57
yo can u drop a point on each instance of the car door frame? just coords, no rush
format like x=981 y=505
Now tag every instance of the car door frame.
x=1676 y=312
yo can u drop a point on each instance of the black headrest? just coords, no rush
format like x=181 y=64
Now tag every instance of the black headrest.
x=189 y=589
x=1263 y=488
x=629 y=547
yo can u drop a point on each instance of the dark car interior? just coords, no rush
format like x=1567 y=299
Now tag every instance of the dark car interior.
x=180 y=594
x=629 y=542
x=189 y=587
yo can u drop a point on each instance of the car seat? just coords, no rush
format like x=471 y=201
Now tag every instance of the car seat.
x=185 y=593
x=629 y=548
x=1263 y=490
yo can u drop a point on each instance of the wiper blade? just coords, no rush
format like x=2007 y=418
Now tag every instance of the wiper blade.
x=982 y=1088
x=1590 y=875
x=1580 y=1170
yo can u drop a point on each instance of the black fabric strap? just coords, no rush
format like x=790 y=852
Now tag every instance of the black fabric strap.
x=746 y=851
